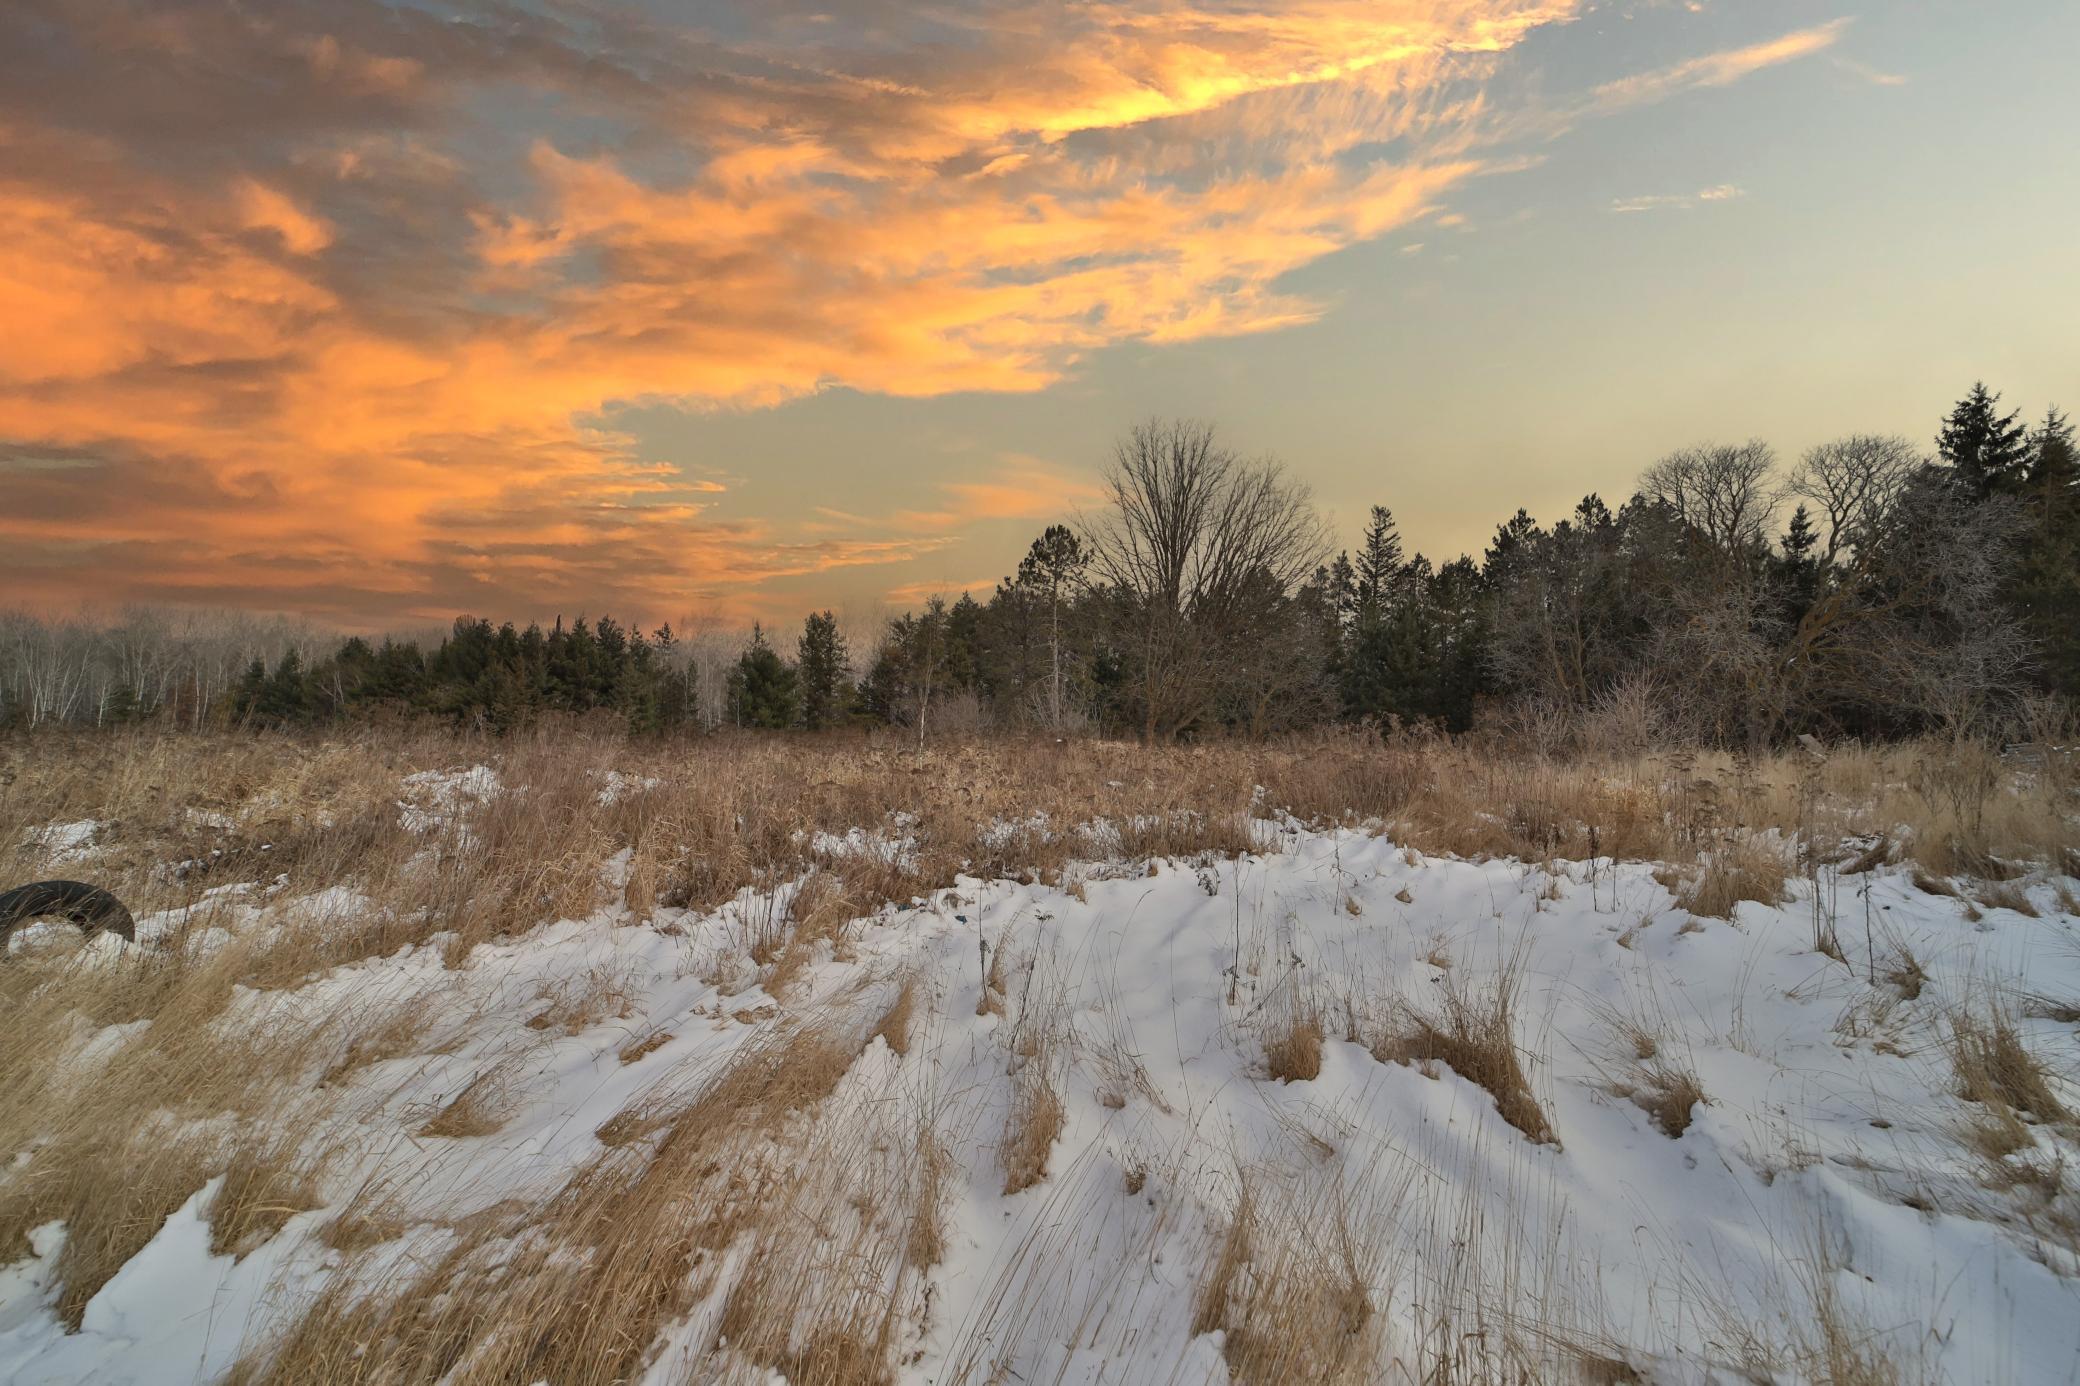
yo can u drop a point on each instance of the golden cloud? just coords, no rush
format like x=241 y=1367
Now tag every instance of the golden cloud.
x=356 y=360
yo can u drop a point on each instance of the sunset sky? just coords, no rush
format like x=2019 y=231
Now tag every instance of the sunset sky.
x=380 y=312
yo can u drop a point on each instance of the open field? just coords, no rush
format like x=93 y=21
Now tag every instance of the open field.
x=573 y=1059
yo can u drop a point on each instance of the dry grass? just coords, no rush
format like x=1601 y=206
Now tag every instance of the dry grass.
x=262 y=1189
x=575 y=1288
x=1995 y=1069
x=643 y=1047
x=924 y=1246
x=1030 y=1129
x=894 y=1027
x=1648 y=1074
x=1744 y=868
x=2004 y=895
x=1289 y=1289
x=1293 y=1048
x=569 y=1006
x=1904 y=971
x=479 y=1109
x=1933 y=885
x=747 y=811
x=1475 y=1035
x=1670 y=1095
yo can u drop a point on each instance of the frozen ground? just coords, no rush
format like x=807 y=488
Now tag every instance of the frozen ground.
x=1822 y=1204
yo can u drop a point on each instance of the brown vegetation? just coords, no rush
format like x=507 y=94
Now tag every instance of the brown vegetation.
x=1476 y=1036
x=575 y=1287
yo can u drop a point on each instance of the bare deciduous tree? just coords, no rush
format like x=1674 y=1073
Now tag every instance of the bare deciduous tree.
x=1195 y=539
x=1914 y=622
x=1853 y=483
x=1723 y=492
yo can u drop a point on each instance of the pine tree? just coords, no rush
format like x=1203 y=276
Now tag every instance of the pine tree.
x=823 y=667
x=1052 y=570
x=1987 y=451
x=762 y=690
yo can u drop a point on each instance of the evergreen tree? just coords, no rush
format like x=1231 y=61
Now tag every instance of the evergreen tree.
x=1463 y=636
x=245 y=699
x=1051 y=572
x=823 y=668
x=1797 y=571
x=1988 y=452
x=285 y=701
x=1378 y=565
x=965 y=646
x=763 y=691
x=1342 y=592
x=2045 y=590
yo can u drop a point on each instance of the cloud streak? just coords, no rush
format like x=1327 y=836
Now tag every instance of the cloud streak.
x=1679 y=202
x=332 y=307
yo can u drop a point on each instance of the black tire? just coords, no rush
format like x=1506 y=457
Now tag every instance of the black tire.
x=90 y=908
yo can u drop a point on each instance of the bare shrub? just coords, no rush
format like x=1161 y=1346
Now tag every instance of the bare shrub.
x=1197 y=542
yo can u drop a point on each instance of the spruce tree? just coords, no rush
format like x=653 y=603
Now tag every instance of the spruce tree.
x=1379 y=564
x=1796 y=572
x=823 y=667
x=1988 y=451
x=245 y=700
x=763 y=691
x=1386 y=637
x=2045 y=590
x=285 y=701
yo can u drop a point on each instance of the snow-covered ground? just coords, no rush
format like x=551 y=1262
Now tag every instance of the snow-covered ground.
x=1824 y=1186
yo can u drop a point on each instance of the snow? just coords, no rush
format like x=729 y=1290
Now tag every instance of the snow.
x=64 y=842
x=434 y=798
x=615 y=786
x=1826 y=1158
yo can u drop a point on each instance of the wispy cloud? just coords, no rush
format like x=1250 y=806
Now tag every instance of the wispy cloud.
x=333 y=305
x=1716 y=69
x=1681 y=202
x=1877 y=77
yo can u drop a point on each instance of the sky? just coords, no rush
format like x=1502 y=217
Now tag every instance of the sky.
x=379 y=313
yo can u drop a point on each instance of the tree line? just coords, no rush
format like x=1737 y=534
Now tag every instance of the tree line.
x=1872 y=588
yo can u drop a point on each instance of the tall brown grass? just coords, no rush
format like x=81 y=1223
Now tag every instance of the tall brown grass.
x=111 y=1139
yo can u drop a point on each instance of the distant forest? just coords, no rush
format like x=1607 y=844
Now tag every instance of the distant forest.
x=1873 y=588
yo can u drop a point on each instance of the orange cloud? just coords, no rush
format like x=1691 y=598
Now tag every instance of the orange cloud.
x=1025 y=489
x=1718 y=69
x=358 y=350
